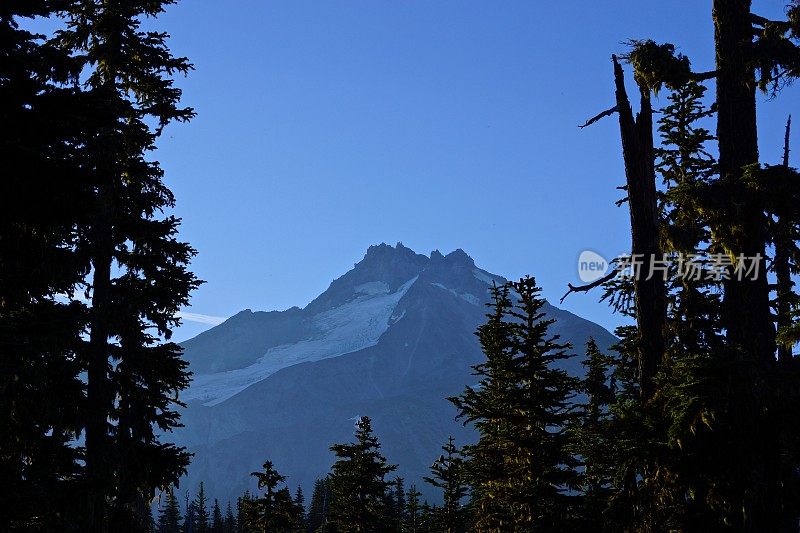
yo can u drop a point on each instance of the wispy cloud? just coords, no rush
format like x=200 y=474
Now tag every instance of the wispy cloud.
x=201 y=319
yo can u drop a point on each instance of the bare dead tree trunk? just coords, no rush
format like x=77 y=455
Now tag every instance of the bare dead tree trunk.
x=649 y=285
x=783 y=273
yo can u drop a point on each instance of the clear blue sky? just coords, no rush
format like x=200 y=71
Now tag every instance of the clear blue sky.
x=324 y=127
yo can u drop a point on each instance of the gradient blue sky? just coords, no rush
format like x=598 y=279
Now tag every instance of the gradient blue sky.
x=324 y=127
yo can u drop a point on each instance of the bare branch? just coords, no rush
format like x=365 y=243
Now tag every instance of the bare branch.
x=701 y=76
x=758 y=20
x=606 y=113
x=589 y=286
x=786 y=142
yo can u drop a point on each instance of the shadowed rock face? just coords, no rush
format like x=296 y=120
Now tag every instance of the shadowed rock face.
x=390 y=339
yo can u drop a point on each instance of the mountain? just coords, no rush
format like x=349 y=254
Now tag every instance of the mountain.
x=391 y=339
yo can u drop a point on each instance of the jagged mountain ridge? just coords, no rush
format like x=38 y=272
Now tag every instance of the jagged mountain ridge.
x=392 y=338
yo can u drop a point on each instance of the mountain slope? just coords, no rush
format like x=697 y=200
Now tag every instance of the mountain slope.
x=390 y=339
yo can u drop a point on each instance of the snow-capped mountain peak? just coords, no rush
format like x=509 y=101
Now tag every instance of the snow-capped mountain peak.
x=391 y=338
x=352 y=314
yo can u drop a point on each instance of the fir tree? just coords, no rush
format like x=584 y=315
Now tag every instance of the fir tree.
x=359 y=484
x=230 y=520
x=217 y=522
x=169 y=519
x=244 y=515
x=274 y=510
x=427 y=522
x=139 y=276
x=300 y=505
x=484 y=406
x=448 y=474
x=190 y=517
x=44 y=194
x=201 y=516
x=318 y=510
x=707 y=446
x=398 y=499
x=593 y=438
x=522 y=467
x=413 y=516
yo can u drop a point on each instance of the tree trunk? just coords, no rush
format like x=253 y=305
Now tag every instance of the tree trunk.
x=650 y=298
x=783 y=272
x=746 y=306
x=99 y=394
x=97 y=386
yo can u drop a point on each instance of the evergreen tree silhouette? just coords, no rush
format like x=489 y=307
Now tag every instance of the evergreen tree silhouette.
x=707 y=445
x=217 y=522
x=448 y=474
x=274 y=510
x=229 y=525
x=413 y=520
x=358 y=483
x=139 y=277
x=169 y=518
x=201 y=516
x=300 y=505
x=318 y=509
x=43 y=197
x=522 y=467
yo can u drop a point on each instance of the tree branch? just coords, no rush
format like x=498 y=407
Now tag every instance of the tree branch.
x=701 y=76
x=589 y=286
x=786 y=142
x=763 y=21
x=606 y=113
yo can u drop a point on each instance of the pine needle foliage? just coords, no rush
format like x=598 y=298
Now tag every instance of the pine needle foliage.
x=522 y=471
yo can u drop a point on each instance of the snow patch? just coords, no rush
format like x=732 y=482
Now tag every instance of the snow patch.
x=471 y=298
x=353 y=326
x=373 y=287
x=485 y=277
x=394 y=319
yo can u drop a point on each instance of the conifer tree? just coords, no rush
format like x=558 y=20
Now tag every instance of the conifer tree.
x=230 y=520
x=593 y=438
x=426 y=520
x=201 y=516
x=42 y=200
x=274 y=510
x=139 y=276
x=300 y=506
x=151 y=521
x=448 y=474
x=169 y=519
x=244 y=515
x=522 y=467
x=358 y=483
x=707 y=445
x=217 y=522
x=398 y=499
x=785 y=235
x=190 y=518
x=413 y=519
x=318 y=510
x=484 y=406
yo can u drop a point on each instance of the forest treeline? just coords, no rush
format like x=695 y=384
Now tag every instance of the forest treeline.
x=691 y=423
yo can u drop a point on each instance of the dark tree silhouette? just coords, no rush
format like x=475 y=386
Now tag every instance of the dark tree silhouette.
x=139 y=276
x=522 y=468
x=358 y=483
x=41 y=395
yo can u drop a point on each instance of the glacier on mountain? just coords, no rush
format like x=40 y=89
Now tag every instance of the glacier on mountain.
x=350 y=327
